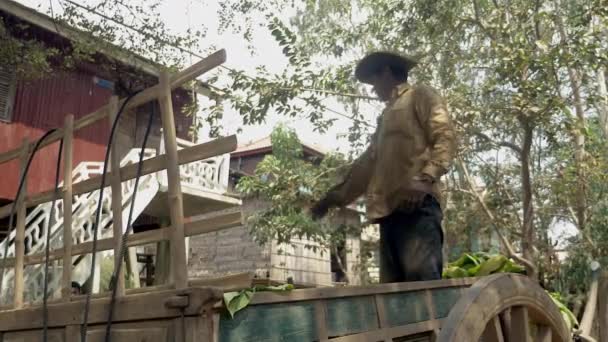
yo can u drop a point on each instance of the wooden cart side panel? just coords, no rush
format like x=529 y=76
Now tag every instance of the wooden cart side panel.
x=369 y=317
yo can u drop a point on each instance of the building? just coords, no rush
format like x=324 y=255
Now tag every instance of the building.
x=29 y=108
x=234 y=251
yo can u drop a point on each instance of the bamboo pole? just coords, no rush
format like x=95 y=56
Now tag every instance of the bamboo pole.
x=68 y=141
x=176 y=206
x=116 y=184
x=20 y=233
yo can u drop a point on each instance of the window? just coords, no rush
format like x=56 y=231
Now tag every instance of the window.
x=7 y=93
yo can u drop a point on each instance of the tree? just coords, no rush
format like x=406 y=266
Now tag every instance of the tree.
x=287 y=183
x=512 y=71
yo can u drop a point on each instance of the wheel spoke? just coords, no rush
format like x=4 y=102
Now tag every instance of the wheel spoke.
x=520 y=328
x=544 y=334
x=493 y=331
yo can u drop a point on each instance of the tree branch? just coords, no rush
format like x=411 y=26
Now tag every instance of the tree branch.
x=507 y=144
x=507 y=245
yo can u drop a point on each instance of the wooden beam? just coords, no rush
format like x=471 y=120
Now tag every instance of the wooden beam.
x=116 y=184
x=20 y=232
x=493 y=331
x=135 y=307
x=394 y=332
x=198 y=227
x=520 y=327
x=68 y=155
x=603 y=306
x=333 y=292
x=179 y=266
x=187 y=155
x=145 y=96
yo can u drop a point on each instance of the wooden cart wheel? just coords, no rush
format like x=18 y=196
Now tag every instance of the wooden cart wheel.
x=504 y=308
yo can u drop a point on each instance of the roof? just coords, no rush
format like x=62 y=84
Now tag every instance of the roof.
x=264 y=145
x=72 y=34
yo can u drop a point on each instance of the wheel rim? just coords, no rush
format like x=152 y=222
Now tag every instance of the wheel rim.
x=499 y=308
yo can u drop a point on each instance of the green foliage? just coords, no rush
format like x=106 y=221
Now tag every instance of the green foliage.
x=238 y=300
x=288 y=184
x=480 y=264
x=29 y=58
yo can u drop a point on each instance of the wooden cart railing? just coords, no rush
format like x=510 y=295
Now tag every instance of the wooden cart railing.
x=166 y=303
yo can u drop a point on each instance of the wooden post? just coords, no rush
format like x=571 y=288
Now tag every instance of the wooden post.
x=117 y=223
x=66 y=280
x=178 y=244
x=603 y=306
x=20 y=234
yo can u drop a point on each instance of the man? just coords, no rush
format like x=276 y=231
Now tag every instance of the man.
x=399 y=173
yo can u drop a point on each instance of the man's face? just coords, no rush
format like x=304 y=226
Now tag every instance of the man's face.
x=384 y=83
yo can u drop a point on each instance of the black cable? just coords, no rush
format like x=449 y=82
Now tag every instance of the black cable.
x=123 y=246
x=13 y=207
x=45 y=313
x=83 y=328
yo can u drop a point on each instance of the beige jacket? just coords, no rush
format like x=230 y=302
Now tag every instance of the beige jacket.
x=414 y=137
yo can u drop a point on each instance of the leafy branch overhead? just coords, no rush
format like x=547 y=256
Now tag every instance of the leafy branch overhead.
x=288 y=181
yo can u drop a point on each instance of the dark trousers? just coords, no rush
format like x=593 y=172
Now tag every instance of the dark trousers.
x=411 y=244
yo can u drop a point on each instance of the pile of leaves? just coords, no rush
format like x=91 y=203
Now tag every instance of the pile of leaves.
x=481 y=264
x=567 y=315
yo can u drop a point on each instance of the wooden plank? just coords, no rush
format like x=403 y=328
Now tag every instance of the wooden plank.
x=394 y=332
x=351 y=315
x=321 y=320
x=444 y=299
x=603 y=306
x=414 y=301
x=187 y=155
x=116 y=184
x=20 y=233
x=493 y=331
x=68 y=159
x=72 y=332
x=145 y=96
x=143 y=334
x=198 y=227
x=520 y=329
x=331 y=292
x=179 y=264
x=128 y=308
x=276 y=322
x=227 y=283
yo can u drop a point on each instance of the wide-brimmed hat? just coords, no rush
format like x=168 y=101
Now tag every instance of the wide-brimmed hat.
x=372 y=64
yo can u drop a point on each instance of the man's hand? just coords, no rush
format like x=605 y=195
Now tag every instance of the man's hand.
x=320 y=209
x=418 y=189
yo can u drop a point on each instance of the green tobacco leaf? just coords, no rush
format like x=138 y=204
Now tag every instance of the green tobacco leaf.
x=491 y=265
x=236 y=301
x=454 y=272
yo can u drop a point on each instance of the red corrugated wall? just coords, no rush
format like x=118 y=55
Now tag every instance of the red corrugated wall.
x=41 y=105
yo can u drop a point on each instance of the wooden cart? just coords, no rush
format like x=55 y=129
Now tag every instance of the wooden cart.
x=494 y=308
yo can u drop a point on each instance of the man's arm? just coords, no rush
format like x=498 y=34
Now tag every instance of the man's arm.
x=356 y=181
x=436 y=121
x=353 y=186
